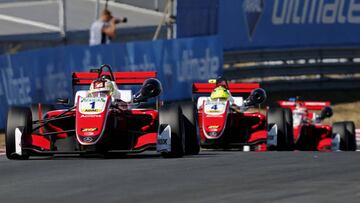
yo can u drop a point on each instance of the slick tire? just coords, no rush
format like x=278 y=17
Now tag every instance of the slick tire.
x=283 y=119
x=17 y=117
x=170 y=115
x=188 y=129
x=346 y=130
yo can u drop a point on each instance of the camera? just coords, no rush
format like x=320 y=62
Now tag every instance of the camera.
x=120 y=20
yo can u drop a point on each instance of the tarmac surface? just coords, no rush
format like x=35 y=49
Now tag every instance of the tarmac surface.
x=213 y=176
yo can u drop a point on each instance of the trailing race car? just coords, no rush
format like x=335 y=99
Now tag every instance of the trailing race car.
x=223 y=119
x=311 y=134
x=103 y=119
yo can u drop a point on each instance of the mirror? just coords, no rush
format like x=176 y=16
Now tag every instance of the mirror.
x=257 y=96
x=326 y=112
x=150 y=88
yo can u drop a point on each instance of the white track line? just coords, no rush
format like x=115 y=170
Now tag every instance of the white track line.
x=29 y=22
x=26 y=4
x=131 y=8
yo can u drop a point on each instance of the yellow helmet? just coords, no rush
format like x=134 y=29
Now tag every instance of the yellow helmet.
x=220 y=93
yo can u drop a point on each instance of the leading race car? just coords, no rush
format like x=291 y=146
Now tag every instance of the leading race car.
x=311 y=134
x=224 y=121
x=103 y=119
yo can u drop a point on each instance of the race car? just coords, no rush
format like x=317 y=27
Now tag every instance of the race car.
x=310 y=134
x=103 y=119
x=225 y=122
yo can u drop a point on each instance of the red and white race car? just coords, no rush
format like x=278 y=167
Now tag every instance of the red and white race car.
x=103 y=119
x=311 y=134
x=224 y=120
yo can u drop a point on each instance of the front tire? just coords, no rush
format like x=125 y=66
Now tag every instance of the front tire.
x=346 y=130
x=170 y=115
x=282 y=118
x=188 y=129
x=17 y=117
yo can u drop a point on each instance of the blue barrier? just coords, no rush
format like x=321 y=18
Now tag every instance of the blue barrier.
x=197 y=18
x=44 y=75
x=277 y=24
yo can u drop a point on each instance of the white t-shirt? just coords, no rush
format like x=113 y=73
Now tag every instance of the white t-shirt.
x=96 y=35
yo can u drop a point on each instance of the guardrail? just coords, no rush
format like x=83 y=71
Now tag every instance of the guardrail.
x=292 y=70
x=289 y=67
x=290 y=54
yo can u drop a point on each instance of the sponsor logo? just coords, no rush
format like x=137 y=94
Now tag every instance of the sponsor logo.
x=213 y=127
x=88 y=133
x=315 y=12
x=99 y=84
x=191 y=68
x=88 y=139
x=90 y=116
x=253 y=10
x=217 y=116
x=91 y=110
x=162 y=141
x=91 y=99
x=213 y=111
x=16 y=85
x=88 y=129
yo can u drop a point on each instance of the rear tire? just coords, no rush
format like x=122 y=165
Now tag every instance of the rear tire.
x=170 y=115
x=283 y=119
x=17 y=117
x=346 y=130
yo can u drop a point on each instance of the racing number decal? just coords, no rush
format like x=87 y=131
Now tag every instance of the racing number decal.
x=92 y=105
x=215 y=108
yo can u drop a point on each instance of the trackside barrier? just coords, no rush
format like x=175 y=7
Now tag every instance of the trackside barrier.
x=44 y=75
x=272 y=24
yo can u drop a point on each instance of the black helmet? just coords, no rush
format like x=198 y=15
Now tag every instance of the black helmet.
x=220 y=81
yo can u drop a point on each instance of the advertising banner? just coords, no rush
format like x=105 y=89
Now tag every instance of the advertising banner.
x=45 y=75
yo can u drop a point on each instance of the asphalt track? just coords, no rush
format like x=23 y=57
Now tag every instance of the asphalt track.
x=210 y=177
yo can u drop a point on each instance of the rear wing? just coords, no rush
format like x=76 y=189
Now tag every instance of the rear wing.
x=121 y=78
x=234 y=88
x=310 y=105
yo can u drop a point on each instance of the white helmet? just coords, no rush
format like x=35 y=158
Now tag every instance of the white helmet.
x=102 y=86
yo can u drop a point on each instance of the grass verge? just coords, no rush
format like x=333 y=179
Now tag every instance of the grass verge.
x=2 y=140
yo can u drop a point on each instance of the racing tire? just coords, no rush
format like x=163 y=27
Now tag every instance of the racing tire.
x=289 y=128
x=189 y=130
x=170 y=115
x=283 y=119
x=17 y=117
x=346 y=130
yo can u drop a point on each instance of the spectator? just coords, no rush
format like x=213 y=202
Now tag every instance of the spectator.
x=103 y=31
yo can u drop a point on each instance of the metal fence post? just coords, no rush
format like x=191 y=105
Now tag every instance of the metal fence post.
x=97 y=8
x=62 y=18
x=156 y=5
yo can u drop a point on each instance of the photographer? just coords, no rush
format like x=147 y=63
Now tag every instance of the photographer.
x=103 y=31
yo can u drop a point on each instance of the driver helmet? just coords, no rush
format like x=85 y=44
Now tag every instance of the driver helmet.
x=220 y=93
x=221 y=82
x=104 y=86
